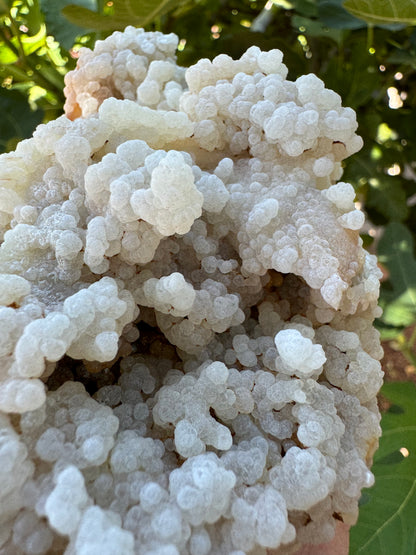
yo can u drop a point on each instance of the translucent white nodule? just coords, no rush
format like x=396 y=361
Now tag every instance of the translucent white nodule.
x=298 y=354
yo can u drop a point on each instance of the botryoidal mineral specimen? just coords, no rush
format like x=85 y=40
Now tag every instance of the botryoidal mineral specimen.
x=188 y=361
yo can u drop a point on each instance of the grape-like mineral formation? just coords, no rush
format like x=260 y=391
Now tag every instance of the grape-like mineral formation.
x=188 y=359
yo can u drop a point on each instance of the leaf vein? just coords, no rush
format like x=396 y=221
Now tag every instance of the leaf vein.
x=378 y=532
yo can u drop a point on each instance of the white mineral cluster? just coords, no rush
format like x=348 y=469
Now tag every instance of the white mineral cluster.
x=188 y=364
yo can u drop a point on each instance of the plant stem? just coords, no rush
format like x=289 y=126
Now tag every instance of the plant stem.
x=16 y=33
x=43 y=81
x=370 y=36
x=264 y=18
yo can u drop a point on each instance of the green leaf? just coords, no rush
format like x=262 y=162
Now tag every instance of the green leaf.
x=383 y=11
x=148 y=10
x=126 y=12
x=32 y=43
x=306 y=8
x=77 y=15
x=334 y=15
x=64 y=32
x=7 y=55
x=315 y=28
x=403 y=57
x=398 y=297
x=355 y=79
x=386 y=522
x=401 y=311
x=386 y=195
x=5 y=5
x=15 y=72
x=31 y=15
x=17 y=121
x=51 y=74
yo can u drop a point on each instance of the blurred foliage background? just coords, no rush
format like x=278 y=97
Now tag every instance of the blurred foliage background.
x=363 y=49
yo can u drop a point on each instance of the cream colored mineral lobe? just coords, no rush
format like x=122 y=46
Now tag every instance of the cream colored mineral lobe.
x=187 y=350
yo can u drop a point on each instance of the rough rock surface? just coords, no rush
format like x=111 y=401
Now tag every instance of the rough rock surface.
x=188 y=363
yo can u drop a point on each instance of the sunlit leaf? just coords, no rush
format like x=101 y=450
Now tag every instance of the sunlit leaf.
x=57 y=56
x=383 y=11
x=401 y=312
x=385 y=133
x=7 y=55
x=386 y=522
x=35 y=94
x=32 y=43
